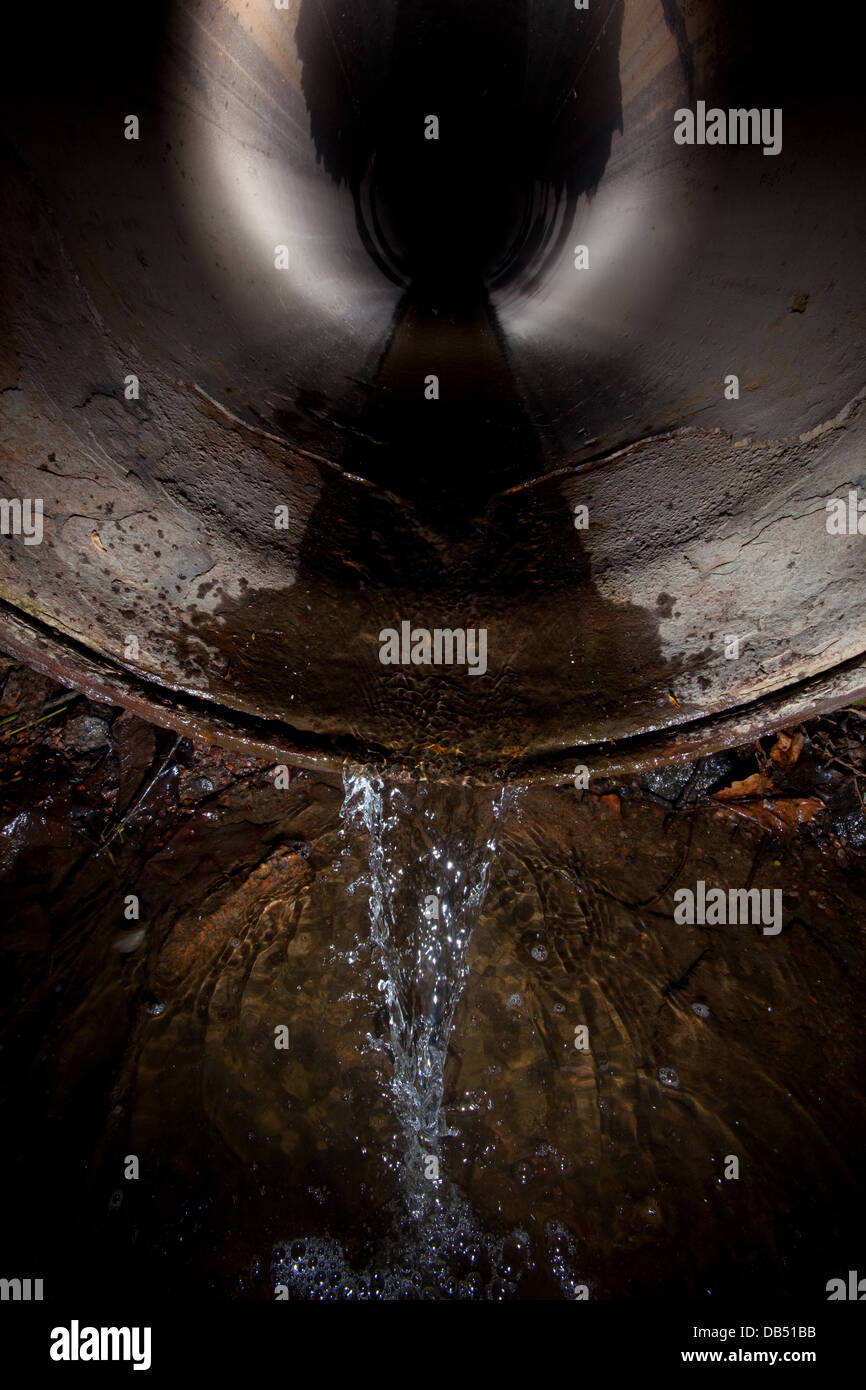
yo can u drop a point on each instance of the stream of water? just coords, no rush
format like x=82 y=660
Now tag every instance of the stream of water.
x=429 y=849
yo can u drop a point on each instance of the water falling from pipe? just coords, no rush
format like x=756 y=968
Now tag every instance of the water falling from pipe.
x=430 y=851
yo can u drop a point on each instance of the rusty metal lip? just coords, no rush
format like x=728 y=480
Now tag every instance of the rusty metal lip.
x=196 y=716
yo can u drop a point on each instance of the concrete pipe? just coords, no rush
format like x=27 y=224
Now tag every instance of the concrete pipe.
x=342 y=340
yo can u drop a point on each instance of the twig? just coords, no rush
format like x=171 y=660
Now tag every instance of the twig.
x=131 y=810
x=33 y=722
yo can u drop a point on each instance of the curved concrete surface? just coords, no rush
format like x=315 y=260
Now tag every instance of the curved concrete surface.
x=283 y=260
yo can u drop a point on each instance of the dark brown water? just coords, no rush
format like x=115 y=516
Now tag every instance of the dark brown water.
x=420 y=1030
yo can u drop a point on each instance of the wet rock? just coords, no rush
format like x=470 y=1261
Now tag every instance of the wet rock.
x=849 y=824
x=684 y=784
x=87 y=732
x=193 y=787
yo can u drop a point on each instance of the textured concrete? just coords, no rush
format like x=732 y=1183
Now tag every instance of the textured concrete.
x=605 y=388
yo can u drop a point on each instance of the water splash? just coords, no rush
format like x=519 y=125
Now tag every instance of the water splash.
x=429 y=848
x=430 y=851
x=446 y=1256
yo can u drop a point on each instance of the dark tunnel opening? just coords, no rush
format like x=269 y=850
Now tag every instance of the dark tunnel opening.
x=458 y=138
x=457 y=158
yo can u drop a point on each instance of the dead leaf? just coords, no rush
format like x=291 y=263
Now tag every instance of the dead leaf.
x=787 y=815
x=756 y=785
x=787 y=748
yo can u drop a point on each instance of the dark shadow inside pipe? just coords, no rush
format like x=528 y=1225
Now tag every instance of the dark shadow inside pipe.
x=458 y=163
x=526 y=98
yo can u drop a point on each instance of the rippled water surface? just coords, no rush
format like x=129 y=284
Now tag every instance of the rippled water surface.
x=508 y=1074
